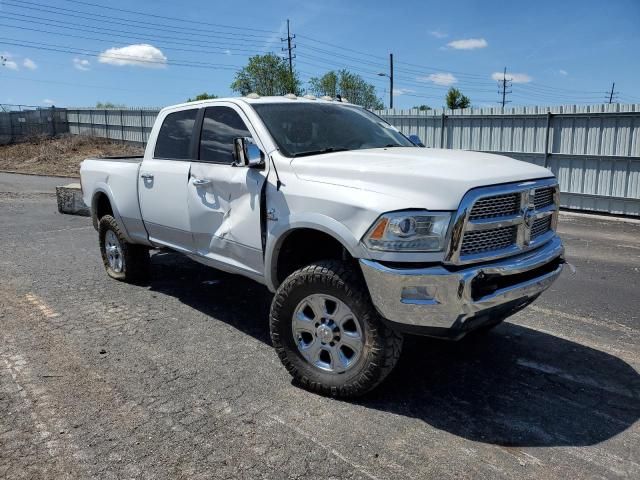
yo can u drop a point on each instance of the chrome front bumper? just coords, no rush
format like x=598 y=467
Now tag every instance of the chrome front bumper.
x=443 y=298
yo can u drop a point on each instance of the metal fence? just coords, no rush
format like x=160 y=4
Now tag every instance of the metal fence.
x=127 y=125
x=594 y=150
x=18 y=123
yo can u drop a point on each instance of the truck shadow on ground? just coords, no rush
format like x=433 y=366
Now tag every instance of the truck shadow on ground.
x=512 y=387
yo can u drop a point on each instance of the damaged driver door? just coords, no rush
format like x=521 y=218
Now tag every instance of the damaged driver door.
x=224 y=199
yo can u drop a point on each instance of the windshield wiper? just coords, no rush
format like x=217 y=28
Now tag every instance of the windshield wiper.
x=320 y=151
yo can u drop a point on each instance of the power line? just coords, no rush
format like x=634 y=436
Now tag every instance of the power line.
x=116 y=32
x=126 y=21
x=94 y=53
x=221 y=51
x=423 y=84
x=175 y=19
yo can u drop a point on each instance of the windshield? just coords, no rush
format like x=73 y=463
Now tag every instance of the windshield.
x=306 y=128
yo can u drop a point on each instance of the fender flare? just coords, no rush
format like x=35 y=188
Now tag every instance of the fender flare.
x=311 y=221
x=104 y=189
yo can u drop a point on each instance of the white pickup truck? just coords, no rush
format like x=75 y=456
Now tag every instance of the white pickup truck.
x=361 y=235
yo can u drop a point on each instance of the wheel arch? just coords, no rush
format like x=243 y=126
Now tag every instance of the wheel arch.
x=102 y=203
x=333 y=237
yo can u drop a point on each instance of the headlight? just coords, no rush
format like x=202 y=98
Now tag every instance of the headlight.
x=410 y=231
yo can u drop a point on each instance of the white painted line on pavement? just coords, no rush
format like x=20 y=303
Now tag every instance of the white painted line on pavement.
x=581 y=379
x=329 y=449
x=45 y=309
x=610 y=324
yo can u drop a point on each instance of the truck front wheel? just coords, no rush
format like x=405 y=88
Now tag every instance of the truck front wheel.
x=122 y=260
x=328 y=334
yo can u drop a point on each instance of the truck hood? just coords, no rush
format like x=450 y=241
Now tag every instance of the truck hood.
x=436 y=179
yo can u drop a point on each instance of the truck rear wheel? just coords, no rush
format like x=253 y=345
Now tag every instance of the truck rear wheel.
x=122 y=260
x=328 y=334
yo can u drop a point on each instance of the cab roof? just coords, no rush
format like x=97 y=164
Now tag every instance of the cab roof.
x=261 y=100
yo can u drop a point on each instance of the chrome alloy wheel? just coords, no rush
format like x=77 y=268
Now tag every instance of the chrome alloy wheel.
x=327 y=333
x=113 y=250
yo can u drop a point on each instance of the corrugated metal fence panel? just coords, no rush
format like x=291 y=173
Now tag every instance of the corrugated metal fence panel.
x=128 y=125
x=594 y=150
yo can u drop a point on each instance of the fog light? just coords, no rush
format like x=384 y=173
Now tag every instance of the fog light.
x=419 y=295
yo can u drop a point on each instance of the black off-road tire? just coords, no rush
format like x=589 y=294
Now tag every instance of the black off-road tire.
x=382 y=346
x=136 y=260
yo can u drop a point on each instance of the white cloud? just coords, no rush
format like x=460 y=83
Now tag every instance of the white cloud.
x=81 y=64
x=401 y=91
x=445 y=79
x=48 y=101
x=468 y=44
x=30 y=64
x=564 y=73
x=138 y=55
x=513 y=77
x=438 y=34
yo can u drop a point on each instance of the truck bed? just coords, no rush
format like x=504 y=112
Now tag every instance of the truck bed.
x=117 y=178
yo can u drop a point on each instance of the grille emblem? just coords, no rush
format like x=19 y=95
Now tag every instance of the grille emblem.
x=528 y=214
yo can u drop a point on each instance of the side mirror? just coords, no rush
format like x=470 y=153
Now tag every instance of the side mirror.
x=415 y=139
x=247 y=153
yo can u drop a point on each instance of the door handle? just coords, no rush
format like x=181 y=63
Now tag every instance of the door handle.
x=202 y=182
x=147 y=176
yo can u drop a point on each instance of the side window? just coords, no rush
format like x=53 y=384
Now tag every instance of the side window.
x=174 y=138
x=219 y=127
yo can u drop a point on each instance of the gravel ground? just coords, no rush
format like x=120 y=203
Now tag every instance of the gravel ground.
x=176 y=379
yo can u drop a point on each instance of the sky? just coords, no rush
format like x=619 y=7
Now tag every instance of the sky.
x=155 y=53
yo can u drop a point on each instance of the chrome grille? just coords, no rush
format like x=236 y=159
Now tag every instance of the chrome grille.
x=501 y=220
x=540 y=226
x=487 y=240
x=543 y=197
x=496 y=206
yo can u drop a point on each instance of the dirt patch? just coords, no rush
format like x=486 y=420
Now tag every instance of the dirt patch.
x=61 y=155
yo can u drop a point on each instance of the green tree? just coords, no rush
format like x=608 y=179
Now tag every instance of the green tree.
x=202 y=96
x=348 y=85
x=455 y=99
x=266 y=75
x=109 y=105
x=422 y=108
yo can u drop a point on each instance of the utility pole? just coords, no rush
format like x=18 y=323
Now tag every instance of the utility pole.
x=390 y=76
x=613 y=86
x=289 y=48
x=391 y=80
x=503 y=89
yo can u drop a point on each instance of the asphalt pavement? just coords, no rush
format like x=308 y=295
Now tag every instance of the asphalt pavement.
x=177 y=378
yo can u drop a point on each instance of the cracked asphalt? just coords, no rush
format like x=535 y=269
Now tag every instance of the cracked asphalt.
x=176 y=379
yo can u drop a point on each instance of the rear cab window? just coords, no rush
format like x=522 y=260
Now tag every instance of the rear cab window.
x=175 y=135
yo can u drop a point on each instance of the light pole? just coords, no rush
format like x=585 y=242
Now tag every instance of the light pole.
x=390 y=76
